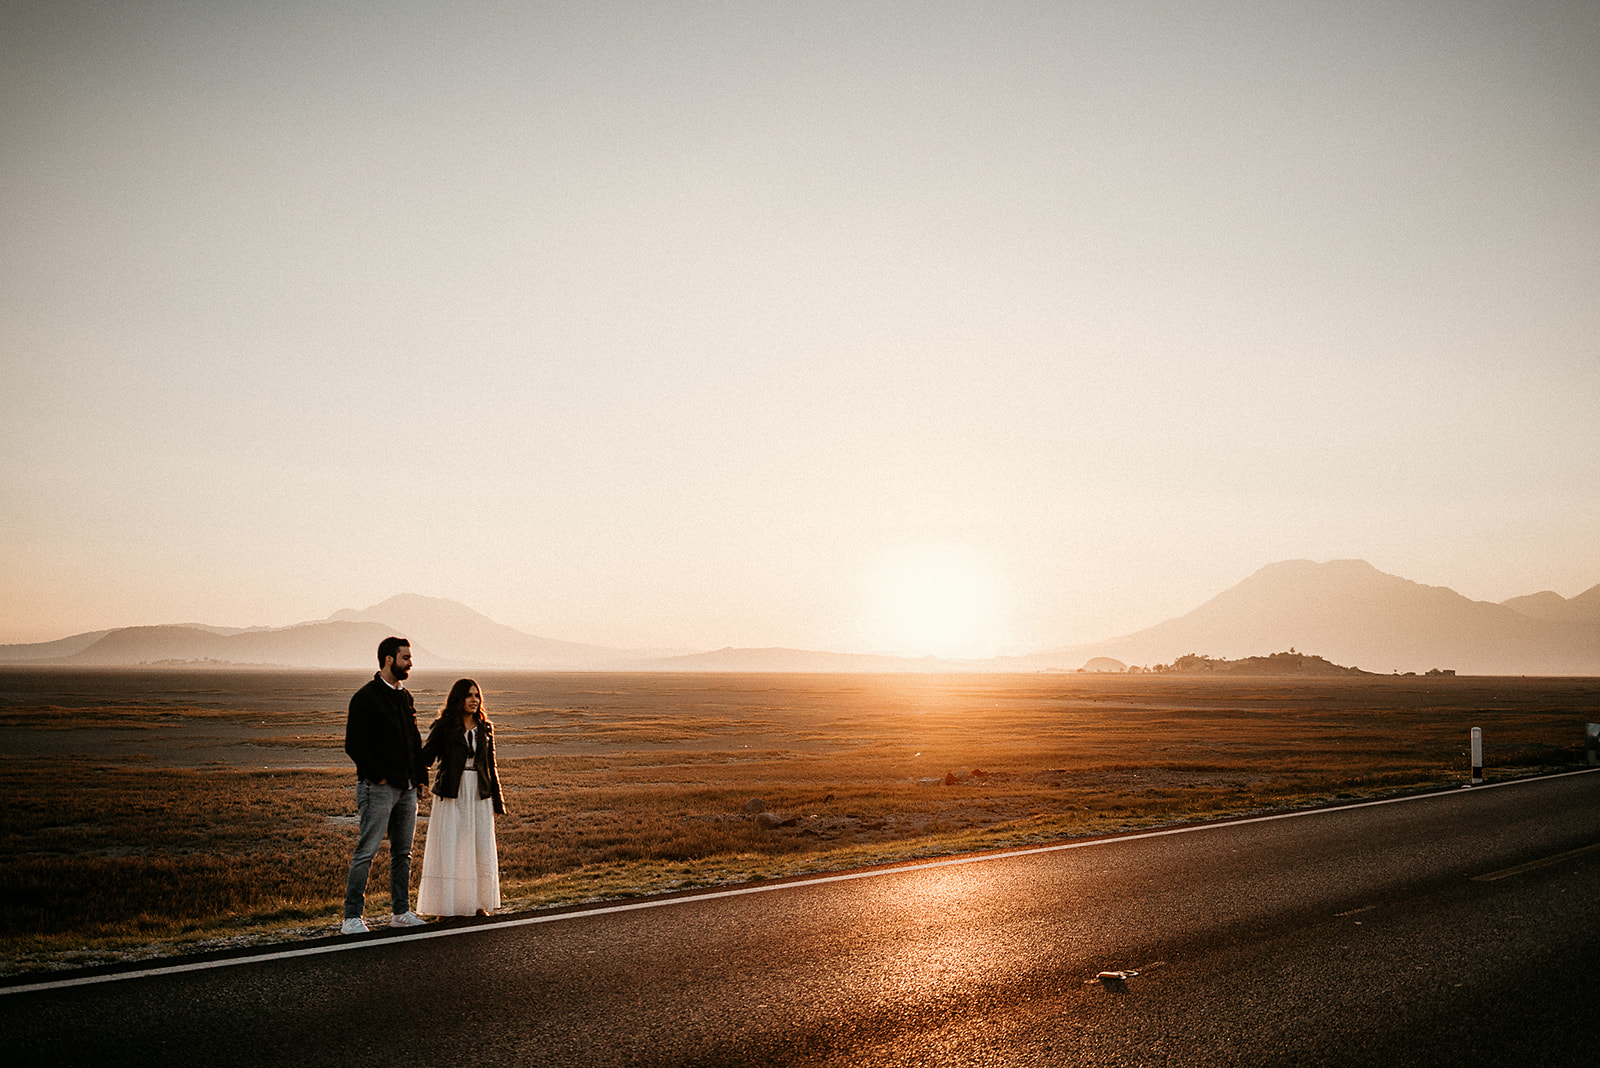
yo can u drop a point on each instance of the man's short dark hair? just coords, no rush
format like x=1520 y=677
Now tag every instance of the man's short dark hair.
x=390 y=646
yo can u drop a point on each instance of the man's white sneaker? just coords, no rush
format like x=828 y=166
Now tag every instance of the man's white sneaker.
x=354 y=925
x=406 y=919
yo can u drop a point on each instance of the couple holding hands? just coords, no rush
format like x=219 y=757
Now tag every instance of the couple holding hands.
x=460 y=865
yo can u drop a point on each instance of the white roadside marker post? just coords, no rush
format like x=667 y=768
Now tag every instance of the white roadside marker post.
x=1591 y=743
x=1477 y=756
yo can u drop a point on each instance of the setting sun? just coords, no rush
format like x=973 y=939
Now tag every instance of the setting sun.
x=935 y=600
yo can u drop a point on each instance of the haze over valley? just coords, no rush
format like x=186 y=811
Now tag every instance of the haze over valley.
x=1345 y=611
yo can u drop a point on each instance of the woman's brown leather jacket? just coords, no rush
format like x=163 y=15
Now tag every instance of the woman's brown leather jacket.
x=448 y=745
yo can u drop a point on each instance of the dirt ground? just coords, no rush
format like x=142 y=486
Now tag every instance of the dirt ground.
x=794 y=740
x=263 y=719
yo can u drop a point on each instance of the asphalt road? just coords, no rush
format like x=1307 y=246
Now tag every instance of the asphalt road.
x=1455 y=929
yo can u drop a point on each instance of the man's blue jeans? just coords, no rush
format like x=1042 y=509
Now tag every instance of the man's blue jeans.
x=382 y=808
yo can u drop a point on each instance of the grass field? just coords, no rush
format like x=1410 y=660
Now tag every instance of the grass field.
x=148 y=812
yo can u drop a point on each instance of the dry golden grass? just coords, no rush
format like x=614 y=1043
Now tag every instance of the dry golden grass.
x=134 y=824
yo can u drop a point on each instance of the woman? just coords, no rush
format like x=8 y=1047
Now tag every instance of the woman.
x=460 y=869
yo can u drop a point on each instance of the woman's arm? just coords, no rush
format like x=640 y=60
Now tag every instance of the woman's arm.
x=492 y=771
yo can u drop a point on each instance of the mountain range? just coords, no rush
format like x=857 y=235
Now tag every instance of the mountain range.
x=1355 y=615
x=1344 y=610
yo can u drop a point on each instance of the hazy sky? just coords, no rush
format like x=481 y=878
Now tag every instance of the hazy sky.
x=948 y=327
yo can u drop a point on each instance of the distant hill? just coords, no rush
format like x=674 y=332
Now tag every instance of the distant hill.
x=1273 y=664
x=1354 y=614
x=1554 y=608
x=35 y=651
x=314 y=645
x=443 y=633
x=460 y=635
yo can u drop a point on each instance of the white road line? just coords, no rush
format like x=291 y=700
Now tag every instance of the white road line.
x=712 y=895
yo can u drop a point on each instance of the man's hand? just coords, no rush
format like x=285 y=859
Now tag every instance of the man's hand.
x=423 y=792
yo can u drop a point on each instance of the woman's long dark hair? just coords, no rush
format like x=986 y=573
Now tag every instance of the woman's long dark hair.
x=454 y=715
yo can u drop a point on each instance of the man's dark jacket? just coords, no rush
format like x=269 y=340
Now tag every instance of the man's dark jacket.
x=381 y=735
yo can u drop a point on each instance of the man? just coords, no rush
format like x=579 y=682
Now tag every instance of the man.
x=381 y=736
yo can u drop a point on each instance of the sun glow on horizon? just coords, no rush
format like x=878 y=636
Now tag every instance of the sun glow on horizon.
x=936 y=599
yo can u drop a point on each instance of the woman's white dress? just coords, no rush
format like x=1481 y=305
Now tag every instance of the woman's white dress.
x=460 y=866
